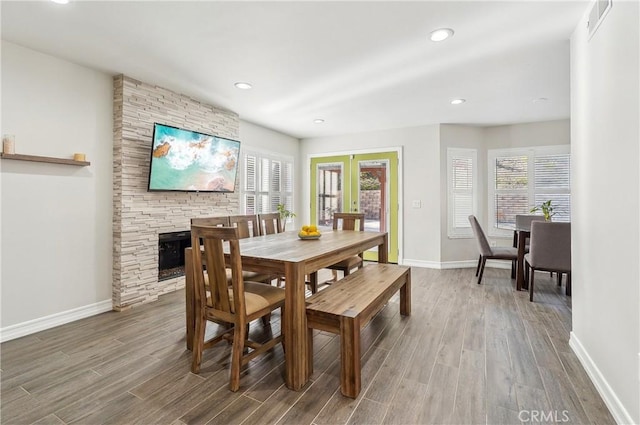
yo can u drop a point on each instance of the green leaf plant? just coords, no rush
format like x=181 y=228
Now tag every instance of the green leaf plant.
x=546 y=208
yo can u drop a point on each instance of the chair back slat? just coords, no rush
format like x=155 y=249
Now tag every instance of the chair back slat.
x=247 y=225
x=348 y=221
x=270 y=223
x=211 y=221
x=481 y=239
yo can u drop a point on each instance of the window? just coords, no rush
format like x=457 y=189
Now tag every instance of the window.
x=462 y=190
x=522 y=178
x=268 y=181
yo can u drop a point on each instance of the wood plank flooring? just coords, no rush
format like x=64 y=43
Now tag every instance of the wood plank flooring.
x=468 y=354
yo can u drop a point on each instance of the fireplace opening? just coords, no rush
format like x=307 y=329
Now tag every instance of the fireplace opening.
x=171 y=254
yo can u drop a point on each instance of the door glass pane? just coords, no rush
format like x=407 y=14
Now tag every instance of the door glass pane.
x=329 y=180
x=372 y=194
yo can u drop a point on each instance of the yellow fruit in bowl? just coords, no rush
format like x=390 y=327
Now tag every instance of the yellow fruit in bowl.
x=309 y=231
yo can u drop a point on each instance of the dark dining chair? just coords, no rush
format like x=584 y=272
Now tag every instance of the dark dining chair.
x=487 y=252
x=549 y=250
x=348 y=221
x=523 y=222
x=233 y=308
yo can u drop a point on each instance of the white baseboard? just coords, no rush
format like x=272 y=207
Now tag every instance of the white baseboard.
x=619 y=413
x=36 y=325
x=465 y=264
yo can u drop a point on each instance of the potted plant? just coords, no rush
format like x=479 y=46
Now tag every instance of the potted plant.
x=546 y=208
x=285 y=214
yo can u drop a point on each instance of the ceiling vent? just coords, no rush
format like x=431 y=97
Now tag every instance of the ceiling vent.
x=598 y=12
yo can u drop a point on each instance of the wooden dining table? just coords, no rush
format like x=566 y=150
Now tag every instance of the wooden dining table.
x=286 y=254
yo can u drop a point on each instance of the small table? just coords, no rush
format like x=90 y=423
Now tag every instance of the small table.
x=286 y=254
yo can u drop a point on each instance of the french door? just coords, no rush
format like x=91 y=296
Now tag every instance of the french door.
x=365 y=183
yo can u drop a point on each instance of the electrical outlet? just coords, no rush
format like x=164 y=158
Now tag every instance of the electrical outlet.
x=416 y=204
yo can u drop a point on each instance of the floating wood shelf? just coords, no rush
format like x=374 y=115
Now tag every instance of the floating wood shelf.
x=51 y=160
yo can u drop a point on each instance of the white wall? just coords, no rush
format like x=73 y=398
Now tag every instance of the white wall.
x=546 y=133
x=605 y=224
x=56 y=219
x=454 y=251
x=421 y=181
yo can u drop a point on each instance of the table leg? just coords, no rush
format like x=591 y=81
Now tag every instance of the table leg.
x=189 y=300
x=520 y=283
x=383 y=250
x=295 y=327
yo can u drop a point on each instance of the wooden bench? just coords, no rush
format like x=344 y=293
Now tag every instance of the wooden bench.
x=347 y=306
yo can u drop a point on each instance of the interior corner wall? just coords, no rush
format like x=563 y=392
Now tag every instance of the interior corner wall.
x=140 y=216
x=605 y=130
x=56 y=218
x=421 y=181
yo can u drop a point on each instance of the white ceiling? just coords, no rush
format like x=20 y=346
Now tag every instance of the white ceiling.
x=360 y=66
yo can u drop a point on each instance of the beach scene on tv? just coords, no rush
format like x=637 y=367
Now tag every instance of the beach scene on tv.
x=192 y=161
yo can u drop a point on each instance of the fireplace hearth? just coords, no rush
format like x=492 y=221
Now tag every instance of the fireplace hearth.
x=171 y=253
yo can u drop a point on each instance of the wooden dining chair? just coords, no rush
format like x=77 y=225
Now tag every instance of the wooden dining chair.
x=247 y=225
x=270 y=223
x=211 y=221
x=549 y=250
x=232 y=308
x=490 y=253
x=224 y=221
x=347 y=221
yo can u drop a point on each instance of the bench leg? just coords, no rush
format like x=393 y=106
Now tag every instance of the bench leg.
x=350 y=356
x=405 y=296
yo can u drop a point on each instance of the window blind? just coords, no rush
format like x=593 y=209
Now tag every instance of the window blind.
x=462 y=183
x=520 y=179
x=268 y=181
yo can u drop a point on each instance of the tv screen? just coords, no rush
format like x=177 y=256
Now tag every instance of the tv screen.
x=185 y=160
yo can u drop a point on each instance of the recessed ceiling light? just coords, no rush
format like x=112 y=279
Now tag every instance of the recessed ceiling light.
x=458 y=101
x=318 y=121
x=540 y=99
x=242 y=85
x=441 y=34
x=60 y=1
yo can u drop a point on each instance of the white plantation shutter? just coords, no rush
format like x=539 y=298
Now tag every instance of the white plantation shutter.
x=268 y=182
x=462 y=188
x=249 y=192
x=522 y=178
x=553 y=181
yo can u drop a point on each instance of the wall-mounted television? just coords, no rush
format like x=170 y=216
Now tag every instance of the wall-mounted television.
x=186 y=160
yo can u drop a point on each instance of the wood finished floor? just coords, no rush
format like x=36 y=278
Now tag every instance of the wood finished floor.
x=468 y=354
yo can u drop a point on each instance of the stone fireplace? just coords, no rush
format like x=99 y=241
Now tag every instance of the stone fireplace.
x=139 y=216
